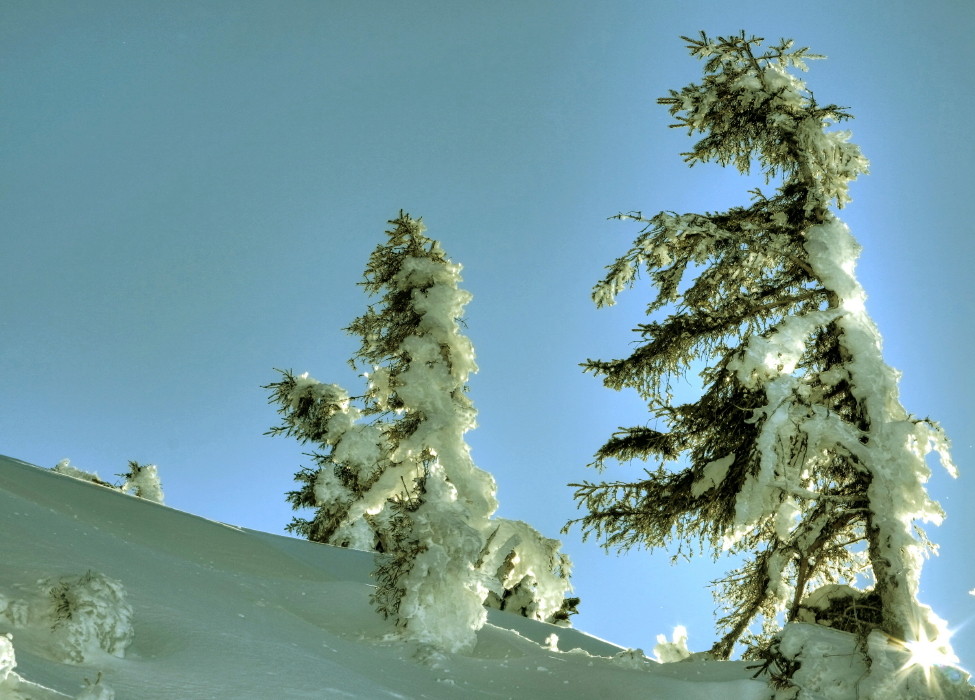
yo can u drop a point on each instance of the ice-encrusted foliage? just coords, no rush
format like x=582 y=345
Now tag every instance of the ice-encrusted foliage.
x=527 y=573
x=344 y=488
x=395 y=472
x=803 y=661
x=797 y=455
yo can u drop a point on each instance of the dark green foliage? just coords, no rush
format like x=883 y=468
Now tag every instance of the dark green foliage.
x=570 y=607
x=63 y=601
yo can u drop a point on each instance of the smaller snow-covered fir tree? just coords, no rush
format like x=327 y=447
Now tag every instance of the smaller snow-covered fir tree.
x=797 y=455
x=344 y=488
x=394 y=472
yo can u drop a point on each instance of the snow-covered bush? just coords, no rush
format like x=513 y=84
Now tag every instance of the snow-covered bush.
x=810 y=662
x=526 y=573
x=86 y=615
x=142 y=480
x=633 y=659
x=797 y=455
x=841 y=607
x=65 y=467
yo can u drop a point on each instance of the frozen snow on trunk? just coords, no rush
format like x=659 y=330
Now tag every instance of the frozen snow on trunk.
x=896 y=445
x=442 y=604
x=444 y=592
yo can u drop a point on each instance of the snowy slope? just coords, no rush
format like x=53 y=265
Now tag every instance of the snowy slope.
x=223 y=612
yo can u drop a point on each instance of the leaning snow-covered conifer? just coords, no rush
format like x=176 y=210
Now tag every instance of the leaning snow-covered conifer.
x=395 y=473
x=798 y=455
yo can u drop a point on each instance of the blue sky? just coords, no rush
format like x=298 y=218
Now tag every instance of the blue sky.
x=189 y=192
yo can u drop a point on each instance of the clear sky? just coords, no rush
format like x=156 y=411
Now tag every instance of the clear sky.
x=189 y=192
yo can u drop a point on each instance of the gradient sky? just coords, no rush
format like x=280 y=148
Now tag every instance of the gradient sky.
x=189 y=192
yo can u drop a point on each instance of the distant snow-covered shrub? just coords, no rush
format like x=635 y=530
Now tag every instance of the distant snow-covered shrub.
x=65 y=467
x=86 y=614
x=633 y=659
x=15 y=612
x=142 y=480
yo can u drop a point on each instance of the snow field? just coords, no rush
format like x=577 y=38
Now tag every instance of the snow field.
x=222 y=612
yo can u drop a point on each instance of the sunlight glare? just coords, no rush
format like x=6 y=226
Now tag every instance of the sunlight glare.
x=927 y=653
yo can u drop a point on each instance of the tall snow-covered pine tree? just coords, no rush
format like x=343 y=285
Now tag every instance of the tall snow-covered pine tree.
x=797 y=455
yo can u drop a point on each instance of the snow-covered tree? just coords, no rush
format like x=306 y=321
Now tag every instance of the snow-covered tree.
x=396 y=474
x=381 y=453
x=797 y=455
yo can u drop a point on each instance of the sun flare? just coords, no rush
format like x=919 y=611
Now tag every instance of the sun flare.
x=928 y=653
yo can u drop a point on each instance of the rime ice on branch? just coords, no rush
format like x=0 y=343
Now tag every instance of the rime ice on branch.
x=798 y=454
